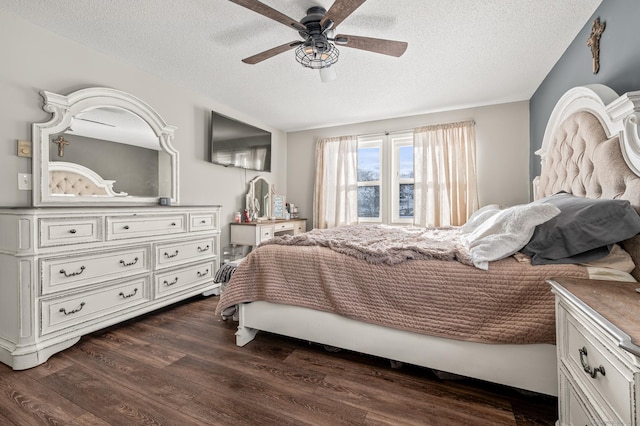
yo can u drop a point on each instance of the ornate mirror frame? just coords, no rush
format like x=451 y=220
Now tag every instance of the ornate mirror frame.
x=259 y=201
x=64 y=108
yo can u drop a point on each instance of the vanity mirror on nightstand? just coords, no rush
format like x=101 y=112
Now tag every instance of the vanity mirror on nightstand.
x=267 y=208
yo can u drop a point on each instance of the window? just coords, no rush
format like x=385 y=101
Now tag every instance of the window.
x=385 y=178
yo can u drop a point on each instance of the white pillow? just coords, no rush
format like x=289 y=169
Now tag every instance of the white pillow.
x=478 y=217
x=506 y=232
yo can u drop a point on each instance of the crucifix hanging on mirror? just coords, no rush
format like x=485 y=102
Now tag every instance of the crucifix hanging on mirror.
x=61 y=143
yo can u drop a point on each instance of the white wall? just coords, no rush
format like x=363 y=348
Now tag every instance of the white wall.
x=34 y=60
x=502 y=140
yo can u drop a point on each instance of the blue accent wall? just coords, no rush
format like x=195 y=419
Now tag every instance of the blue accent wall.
x=619 y=66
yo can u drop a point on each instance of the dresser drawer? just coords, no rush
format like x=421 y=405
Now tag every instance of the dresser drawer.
x=279 y=227
x=122 y=227
x=583 y=351
x=64 y=273
x=57 y=232
x=265 y=233
x=204 y=221
x=576 y=412
x=174 y=281
x=300 y=227
x=73 y=310
x=185 y=251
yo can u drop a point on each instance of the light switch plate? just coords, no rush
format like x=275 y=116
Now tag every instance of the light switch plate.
x=24 y=148
x=24 y=181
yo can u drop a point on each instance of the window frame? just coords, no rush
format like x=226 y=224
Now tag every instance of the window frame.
x=389 y=145
x=373 y=142
x=399 y=141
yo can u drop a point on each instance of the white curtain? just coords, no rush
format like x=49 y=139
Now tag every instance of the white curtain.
x=336 y=185
x=445 y=190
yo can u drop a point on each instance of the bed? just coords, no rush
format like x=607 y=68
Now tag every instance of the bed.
x=451 y=320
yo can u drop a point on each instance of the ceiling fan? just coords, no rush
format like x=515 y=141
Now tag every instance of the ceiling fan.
x=317 y=48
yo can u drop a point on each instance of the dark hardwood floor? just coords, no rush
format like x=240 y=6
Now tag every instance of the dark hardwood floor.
x=180 y=366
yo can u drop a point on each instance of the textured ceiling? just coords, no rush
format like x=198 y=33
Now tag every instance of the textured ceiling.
x=461 y=52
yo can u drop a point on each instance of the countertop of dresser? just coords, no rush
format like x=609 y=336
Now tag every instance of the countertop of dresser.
x=618 y=303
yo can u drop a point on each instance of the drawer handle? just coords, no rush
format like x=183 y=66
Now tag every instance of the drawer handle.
x=169 y=256
x=200 y=249
x=130 y=263
x=73 y=274
x=169 y=284
x=126 y=227
x=64 y=311
x=203 y=221
x=203 y=274
x=173 y=224
x=593 y=372
x=72 y=231
x=126 y=296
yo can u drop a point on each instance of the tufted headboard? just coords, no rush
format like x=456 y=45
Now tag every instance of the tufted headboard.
x=591 y=148
x=72 y=179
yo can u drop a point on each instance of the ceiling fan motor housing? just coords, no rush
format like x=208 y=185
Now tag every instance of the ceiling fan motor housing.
x=315 y=37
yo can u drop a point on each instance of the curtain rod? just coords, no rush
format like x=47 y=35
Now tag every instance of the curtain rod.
x=389 y=132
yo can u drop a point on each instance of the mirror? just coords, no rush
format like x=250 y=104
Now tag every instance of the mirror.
x=259 y=198
x=111 y=142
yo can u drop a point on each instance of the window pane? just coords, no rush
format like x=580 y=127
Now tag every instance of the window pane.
x=406 y=164
x=406 y=200
x=369 y=201
x=368 y=164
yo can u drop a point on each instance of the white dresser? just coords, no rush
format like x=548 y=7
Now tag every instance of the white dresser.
x=598 y=330
x=253 y=233
x=66 y=272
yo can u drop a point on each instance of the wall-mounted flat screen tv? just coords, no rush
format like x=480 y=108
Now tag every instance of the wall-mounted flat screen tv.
x=237 y=144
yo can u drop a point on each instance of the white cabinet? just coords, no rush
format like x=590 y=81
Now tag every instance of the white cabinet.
x=253 y=233
x=67 y=272
x=598 y=354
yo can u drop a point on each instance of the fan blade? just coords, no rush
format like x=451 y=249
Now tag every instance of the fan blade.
x=339 y=11
x=377 y=45
x=252 y=60
x=269 y=12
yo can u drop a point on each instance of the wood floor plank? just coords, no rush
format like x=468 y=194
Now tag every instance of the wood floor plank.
x=291 y=402
x=113 y=404
x=417 y=407
x=26 y=401
x=379 y=372
x=137 y=376
x=154 y=355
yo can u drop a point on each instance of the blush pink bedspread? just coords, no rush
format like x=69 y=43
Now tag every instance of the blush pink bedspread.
x=509 y=303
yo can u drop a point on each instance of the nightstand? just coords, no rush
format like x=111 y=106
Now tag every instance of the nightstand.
x=598 y=331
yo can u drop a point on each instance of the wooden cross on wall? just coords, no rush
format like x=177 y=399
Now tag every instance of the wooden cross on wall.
x=594 y=43
x=61 y=143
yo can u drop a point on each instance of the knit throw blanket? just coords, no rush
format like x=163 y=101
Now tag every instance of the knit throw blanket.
x=385 y=244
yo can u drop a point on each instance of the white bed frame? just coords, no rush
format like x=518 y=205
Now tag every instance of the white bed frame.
x=531 y=367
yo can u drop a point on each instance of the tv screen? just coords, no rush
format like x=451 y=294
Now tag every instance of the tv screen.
x=237 y=144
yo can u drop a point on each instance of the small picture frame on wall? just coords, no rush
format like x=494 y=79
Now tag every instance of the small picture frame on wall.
x=278 y=207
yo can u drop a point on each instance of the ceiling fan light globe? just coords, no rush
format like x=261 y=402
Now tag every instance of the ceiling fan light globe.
x=328 y=74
